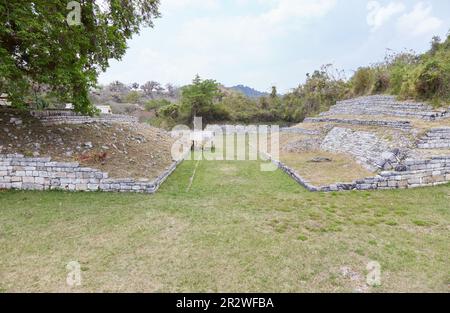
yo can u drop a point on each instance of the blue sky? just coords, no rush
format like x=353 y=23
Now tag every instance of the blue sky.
x=261 y=43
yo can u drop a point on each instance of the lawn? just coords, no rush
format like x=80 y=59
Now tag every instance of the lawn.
x=235 y=229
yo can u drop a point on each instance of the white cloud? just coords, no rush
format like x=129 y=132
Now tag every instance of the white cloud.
x=217 y=44
x=379 y=15
x=419 y=21
x=227 y=41
x=286 y=9
x=177 y=5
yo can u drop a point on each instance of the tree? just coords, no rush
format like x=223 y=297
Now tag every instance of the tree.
x=198 y=98
x=171 y=92
x=40 y=44
x=151 y=88
x=274 y=92
x=117 y=86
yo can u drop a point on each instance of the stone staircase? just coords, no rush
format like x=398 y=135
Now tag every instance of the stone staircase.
x=436 y=138
x=388 y=106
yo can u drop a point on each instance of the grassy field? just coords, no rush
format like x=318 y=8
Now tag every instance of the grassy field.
x=236 y=229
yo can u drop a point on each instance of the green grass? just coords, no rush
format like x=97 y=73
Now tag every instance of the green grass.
x=237 y=230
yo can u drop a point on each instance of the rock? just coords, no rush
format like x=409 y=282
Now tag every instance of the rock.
x=88 y=145
x=396 y=151
x=320 y=160
x=388 y=156
x=15 y=120
x=401 y=168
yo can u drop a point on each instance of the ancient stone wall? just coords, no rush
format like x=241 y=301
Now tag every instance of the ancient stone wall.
x=420 y=173
x=404 y=125
x=57 y=117
x=386 y=105
x=370 y=151
x=436 y=138
x=22 y=173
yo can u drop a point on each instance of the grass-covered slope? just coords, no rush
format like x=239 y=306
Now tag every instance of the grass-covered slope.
x=236 y=229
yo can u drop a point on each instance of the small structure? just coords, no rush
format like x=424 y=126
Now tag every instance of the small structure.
x=104 y=109
x=69 y=106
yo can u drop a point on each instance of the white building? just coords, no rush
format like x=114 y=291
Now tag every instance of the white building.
x=104 y=109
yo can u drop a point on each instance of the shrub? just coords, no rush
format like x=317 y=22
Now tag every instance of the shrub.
x=363 y=81
x=382 y=81
x=133 y=97
x=171 y=111
x=156 y=104
x=430 y=80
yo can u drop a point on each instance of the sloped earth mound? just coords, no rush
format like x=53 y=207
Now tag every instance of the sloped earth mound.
x=122 y=150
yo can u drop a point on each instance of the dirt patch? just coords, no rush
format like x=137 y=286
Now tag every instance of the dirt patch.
x=342 y=168
x=122 y=150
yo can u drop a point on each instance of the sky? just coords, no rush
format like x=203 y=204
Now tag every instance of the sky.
x=261 y=43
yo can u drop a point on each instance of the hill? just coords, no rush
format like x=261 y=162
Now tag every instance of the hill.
x=248 y=91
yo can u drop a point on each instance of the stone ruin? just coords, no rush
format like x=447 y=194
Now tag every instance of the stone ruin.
x=399 y=163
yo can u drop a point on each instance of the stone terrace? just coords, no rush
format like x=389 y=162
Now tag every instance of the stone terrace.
x=22 y=173
x=436 y=138
x=58 y=117
x=386 y=105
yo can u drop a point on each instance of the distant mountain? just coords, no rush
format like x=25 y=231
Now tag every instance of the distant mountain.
x=249 y=92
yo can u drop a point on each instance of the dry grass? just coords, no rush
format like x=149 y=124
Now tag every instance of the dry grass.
x=341 y=169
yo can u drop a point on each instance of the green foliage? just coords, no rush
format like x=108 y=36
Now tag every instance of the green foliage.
x=171 y=110
x=363 y=81
x=133 y=97
x=200 y=99
x=38 y=46
x=423 y=77
x=321 y=90
x=156 y=104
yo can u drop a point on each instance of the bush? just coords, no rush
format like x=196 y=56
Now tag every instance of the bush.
x=156 y=104
x=382 y=81
x=133 y=97
x=171 y=111
x=363 y=81
x=430 y=80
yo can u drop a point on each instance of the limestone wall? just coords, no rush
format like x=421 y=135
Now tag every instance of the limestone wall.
x=57 y=117
x=427 y=173
x=22 y=173
x=436 y=138
x=369 y=150
x=404 y=125
x=386 y=105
